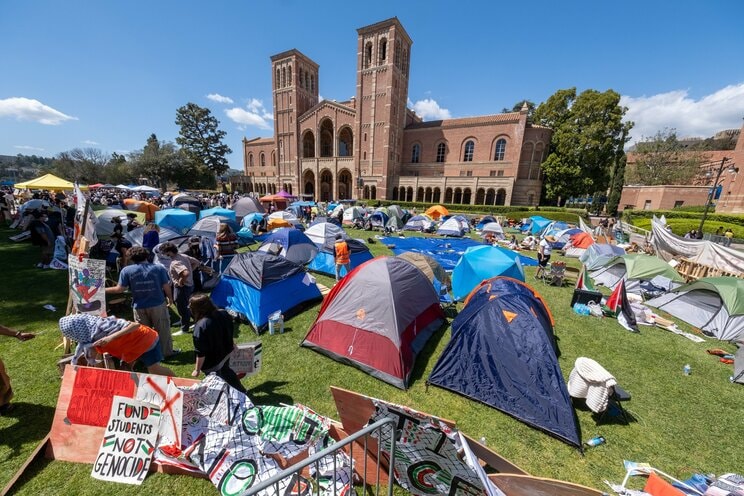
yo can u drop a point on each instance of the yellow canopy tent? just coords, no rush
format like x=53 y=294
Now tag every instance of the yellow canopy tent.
x=48 y=181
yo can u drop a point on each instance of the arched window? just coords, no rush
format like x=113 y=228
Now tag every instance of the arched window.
x=427 y=195
x=284 y=77
x=326 y=138
x=415 y=154
x=382 y=50
x=501 y=196
x=373 y=193
x=366 y=192
x=308 y=145
x=368 y=55
x=301 y=76
x=419 y=195
x=469 y=149
x=345 y=143
x=312 y=83
x=250 y=160
x=480 y=196
x=441 y=150
x=307 y=81
x=290 y=82
x=396 y=60
x=466 y=194
x=436 y=196
x=262 y=159
x=409 y=194
x=500 y=151
x=490 y=196
x=448 y=195
x=273 y=159
x=278 y=78
x=404 y=65
x=395 y=194
x=458 y=196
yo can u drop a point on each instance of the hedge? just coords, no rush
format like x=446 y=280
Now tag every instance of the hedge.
x=630 y=215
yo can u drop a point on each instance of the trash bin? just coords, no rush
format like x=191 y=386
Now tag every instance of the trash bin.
x=276 y=321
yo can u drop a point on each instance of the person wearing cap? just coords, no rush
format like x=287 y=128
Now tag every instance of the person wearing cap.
x=543 y=254
x=132 y=223
x=341 y=255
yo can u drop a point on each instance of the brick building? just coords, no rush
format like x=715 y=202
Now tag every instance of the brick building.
x=374 y=147
x=730 y=196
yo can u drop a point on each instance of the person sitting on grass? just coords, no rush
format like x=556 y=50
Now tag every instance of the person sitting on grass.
x=6 y=391
x=213 y=341
x=128 y=341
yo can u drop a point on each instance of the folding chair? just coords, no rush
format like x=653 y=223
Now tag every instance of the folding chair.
x=555 y=274
x=617 y=396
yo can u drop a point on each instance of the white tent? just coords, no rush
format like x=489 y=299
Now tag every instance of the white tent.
x=452 y=227
x=493 y=228
x=597 y=255
x=351 y=214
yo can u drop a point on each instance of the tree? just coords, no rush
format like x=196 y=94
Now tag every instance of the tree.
x=201 y=139
x=82 y=165
x=159 y=162
x=588 y=139
x=663 y=160
x=518 y=106
x=119 y=171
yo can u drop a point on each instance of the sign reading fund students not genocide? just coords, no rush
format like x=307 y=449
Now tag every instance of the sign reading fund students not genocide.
x=128 y=442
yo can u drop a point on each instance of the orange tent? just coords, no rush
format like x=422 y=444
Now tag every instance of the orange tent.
x=274 y=223
x=582 y=240
x=146 y=208
x=436 y=212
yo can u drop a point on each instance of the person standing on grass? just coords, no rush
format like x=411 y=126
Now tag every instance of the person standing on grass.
x=341 y=255
x=545 y=248
x=6 y=391
x=181 y=272
x=151 y=295
x=128 y=341
x=43 y=237
x=213 y=341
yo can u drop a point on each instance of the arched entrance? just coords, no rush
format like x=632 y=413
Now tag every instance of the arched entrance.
x=344 y=184
x=436 y=195
x=419 y=195
x=490 y=196
x=308 y=183
x=345 y=142
x=448 y=195
x=326 y=138
x=326 y=185
x=480 y=196
x=501 y=196
x=308 y=145
x=458 y=196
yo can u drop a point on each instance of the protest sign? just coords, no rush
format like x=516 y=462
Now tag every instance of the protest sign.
x=87 y=284
x=128 y=442
x=246 y=359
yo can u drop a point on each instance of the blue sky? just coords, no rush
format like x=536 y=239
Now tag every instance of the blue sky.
x=107 y=74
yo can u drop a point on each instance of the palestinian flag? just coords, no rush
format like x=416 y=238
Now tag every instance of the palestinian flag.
x=584 y=282
x=618 y=305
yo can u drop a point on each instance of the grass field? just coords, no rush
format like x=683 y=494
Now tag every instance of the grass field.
x=682 y=423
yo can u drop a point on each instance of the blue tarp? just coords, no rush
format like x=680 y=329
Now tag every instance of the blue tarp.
x=503 y=353
x=484 y=262
x=222 y=212
x=538 y=224
x=175 y=218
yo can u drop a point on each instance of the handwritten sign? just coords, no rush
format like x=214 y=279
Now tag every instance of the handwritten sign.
x=92 y=395
x=87 y=279
x=246 y=359
x=128 y=442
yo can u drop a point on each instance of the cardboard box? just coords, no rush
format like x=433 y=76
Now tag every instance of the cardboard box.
x=246 y=359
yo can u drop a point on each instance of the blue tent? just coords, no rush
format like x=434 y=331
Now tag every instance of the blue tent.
x=538 y=224
x=290 y=243
x=222 y=212
x=483 y=262
x=255 y=285
x=177 y=219
x=325 y=263
x=503 y=353
x=378 y=220
x=485 y=220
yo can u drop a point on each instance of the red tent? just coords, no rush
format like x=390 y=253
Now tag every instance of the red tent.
x=378 y=318
x=582 y=240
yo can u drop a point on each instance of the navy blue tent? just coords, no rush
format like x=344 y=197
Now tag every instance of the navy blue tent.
x=503 y=353
x=256 y=284
x=290 y=243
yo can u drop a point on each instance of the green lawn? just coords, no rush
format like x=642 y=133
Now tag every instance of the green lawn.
x=683 y=423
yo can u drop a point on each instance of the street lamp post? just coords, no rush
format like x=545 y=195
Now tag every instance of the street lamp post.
x=713 y=190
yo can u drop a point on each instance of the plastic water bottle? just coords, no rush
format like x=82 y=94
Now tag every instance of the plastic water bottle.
x=687 y=369
x=483 y=441
x=595 y=441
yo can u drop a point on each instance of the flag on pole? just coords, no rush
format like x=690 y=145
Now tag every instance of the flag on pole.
x=90 y=222
x=619 y=305
x=584 y=282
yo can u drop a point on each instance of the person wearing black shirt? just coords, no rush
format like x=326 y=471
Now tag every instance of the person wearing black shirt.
x=213 y=341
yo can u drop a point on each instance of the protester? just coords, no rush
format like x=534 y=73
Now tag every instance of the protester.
x=543 y=254
x=213 y=341
x=128 y=341
x=151 y=295
x=118 y=228
x=226 y=241
x=181 y=272
x=151 y=237
x=729 y=234
x=42 y=236
x=341 y=255
x=132 y=223
x=6 y=391
x=529 y=242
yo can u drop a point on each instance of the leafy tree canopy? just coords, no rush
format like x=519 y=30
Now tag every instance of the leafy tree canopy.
x=201 y=139
x=663 y=160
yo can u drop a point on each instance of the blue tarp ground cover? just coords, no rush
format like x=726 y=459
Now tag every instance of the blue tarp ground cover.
x=502 y=353
x=445 y=251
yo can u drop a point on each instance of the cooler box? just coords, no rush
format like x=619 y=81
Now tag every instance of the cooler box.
x=584 y=296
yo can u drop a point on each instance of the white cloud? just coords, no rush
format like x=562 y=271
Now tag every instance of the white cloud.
x=90 y=143
x=247 y=118
x=27 y=109
x=216 y=97
x=29 y=148
x=429 y=110
x=702 y=118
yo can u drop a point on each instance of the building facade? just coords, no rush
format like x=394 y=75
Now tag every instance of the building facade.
x=373 y=147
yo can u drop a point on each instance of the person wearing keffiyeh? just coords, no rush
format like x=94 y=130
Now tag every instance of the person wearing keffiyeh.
x=125 y=340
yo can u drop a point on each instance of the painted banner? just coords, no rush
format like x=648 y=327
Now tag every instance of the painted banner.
x=427 y=452
x=163 y=393
x=128 y=442
x=87 y=284
x=246 y=359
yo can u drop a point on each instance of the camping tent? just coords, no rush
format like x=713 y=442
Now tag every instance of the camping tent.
x=378 y=319
x=485 y=220
x=479 y=263
x=245 y=206
x=377 y=220
x=104 y=220
x=493 y=228
x=187 y=202
x=177 y=219
x=597 y=255
x=418 y=223
x=538 y=224
x=452 y=227
x=715 y=305
x=255 y=285
x=324 y=234
x=351 y=214
x=222 y=212
x=135 y=236
x=564 y=236
x=147 y=208
x=49 y=182
x=291 y=244
x=325 y=263
x=436 y=212
x=503 y=353
x=578 y=244
x=439 y=277
x=209 y=226
x=634 y=269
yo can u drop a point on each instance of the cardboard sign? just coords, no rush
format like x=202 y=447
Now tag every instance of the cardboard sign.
x=128 y=442
x=87 y=284
x=163 y=393
x=246 y=359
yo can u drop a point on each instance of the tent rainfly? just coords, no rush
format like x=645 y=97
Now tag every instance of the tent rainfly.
x=49 y=182
x=634 y=269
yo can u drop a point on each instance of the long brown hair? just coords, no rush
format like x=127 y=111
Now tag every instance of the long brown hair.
x=201 y=305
